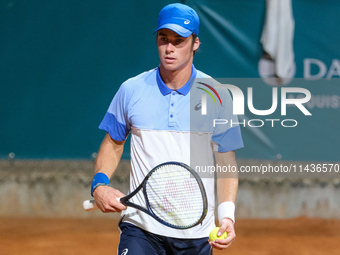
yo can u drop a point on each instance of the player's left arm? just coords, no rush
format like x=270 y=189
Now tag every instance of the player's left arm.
x=227 y=187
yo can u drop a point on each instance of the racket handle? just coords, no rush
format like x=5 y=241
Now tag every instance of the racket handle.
x=90 y=205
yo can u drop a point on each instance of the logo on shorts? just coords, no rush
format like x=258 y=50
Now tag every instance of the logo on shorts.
x=125 y=251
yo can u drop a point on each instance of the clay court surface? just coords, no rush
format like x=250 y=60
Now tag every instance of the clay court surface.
x=300 y=236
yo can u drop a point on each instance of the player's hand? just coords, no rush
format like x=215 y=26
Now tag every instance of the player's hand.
x=106 y=199
x=227 y=225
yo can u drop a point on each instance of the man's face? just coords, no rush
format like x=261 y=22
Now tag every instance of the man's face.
x=175 y=52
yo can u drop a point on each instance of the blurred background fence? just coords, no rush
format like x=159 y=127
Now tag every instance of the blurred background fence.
x=57 y=188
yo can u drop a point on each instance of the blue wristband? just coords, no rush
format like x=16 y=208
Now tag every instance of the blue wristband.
x=99 y=178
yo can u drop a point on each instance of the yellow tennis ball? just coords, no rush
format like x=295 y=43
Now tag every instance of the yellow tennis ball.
x=213 y=234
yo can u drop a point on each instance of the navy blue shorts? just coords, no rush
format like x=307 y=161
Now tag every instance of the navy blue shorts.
x=136 y=241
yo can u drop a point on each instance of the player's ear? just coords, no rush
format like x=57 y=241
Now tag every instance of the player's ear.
x=196 y=44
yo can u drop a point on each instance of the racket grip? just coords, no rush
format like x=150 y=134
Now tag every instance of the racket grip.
x=90 y=205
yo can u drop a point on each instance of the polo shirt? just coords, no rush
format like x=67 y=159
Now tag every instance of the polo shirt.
x=167 y=125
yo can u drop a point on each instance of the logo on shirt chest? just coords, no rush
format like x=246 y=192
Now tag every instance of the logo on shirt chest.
x=198 y=106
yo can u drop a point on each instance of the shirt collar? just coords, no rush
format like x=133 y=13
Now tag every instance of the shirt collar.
x=183 y=90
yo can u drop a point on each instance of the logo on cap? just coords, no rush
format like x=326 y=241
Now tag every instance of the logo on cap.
x=187 y=22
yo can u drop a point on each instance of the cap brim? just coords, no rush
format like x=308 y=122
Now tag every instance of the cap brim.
x=177 y=29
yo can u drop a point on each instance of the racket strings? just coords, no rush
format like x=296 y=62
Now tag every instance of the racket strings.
x=175 y=196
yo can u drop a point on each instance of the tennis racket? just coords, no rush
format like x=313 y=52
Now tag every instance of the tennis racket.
x=174 y=196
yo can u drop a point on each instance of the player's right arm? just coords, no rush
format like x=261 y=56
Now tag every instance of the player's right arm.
x=107 y=160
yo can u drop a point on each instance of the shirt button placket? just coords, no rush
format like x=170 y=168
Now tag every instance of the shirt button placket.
x=172 y=109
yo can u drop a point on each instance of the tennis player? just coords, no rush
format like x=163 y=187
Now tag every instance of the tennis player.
x=154 y=108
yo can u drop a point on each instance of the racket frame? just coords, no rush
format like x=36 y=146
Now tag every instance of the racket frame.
x=148 y=210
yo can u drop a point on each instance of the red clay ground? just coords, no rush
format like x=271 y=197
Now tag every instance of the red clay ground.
x=300 y=236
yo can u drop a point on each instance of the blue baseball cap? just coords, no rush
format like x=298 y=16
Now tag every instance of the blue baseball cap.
x=180 y=18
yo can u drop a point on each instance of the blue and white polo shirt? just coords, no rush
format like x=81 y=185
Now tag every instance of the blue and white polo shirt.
x=167 y=125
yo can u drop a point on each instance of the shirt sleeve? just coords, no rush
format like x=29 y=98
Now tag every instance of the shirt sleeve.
x=227 y=133
x=116 y=120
